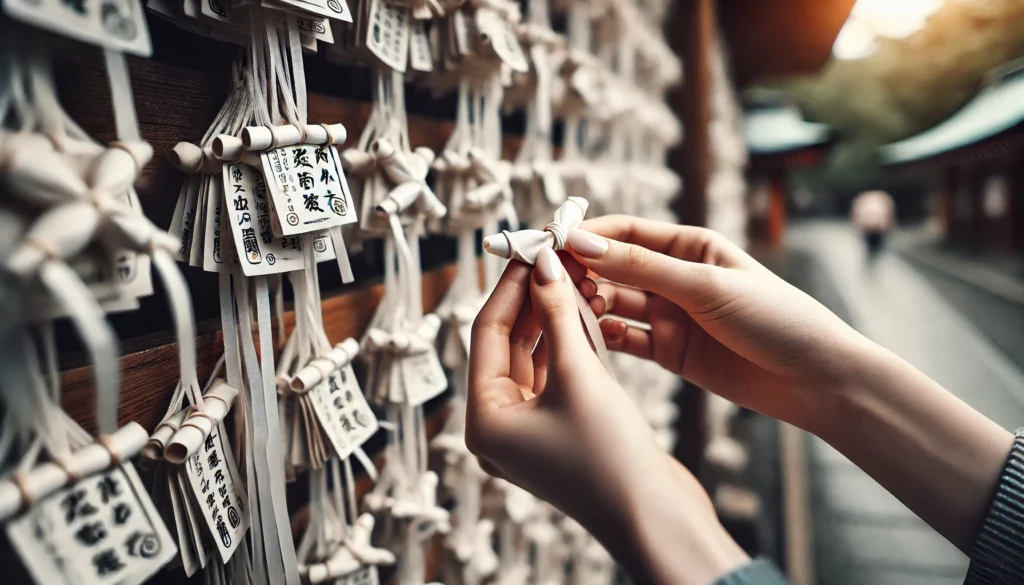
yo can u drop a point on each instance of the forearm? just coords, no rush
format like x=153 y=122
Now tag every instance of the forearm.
x=936 y=454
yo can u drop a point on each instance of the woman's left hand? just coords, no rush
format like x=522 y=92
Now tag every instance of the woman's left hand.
x=547 y=416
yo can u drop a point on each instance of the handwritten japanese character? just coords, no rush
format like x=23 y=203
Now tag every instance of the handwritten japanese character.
x=326 y=178
x=75 y=505
x=300 y=158
x=213 y=459
x=107 y=562
x=245 y=218
x=218 y=476
x=91 y=533
x=321 y=153
x=109 y=487
x=222 y=531
x=305 y=180
x=236 y=174
x=122 y=512
x=241 y=203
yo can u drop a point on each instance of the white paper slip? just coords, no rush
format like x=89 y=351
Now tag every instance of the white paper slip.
x=101 y=530
x=217 y=489
x=259 y=251
x=423 y=377
x=308 y=189
x=119 y=25
x=215 y=256
x=387 y=34
x=343 y=411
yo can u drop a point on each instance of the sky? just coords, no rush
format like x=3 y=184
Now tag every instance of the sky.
x=873 y=18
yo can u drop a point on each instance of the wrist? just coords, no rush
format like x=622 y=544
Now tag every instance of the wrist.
x=674 y=536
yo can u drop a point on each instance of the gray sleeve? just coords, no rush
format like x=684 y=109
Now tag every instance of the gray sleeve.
x=758 y=572
x=997 y=556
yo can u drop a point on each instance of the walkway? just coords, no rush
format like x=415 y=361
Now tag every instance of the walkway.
x=863 y=535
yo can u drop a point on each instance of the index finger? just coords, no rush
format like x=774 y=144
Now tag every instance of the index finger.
x=489 y=355
x=685 y=242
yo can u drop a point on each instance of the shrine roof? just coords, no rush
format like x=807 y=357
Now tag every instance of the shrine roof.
x=996 y=109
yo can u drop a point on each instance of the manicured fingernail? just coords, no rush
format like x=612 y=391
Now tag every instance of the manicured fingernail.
x=587 y=244
x=549 y=267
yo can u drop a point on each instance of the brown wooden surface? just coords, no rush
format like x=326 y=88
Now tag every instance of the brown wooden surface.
x=149 y=376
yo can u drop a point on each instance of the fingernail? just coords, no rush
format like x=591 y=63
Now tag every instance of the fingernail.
x=549 y=267
x=587 y=244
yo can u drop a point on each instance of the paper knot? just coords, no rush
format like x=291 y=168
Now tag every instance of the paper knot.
x=558 y=231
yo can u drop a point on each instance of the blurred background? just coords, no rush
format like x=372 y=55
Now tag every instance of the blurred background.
x=870 y=152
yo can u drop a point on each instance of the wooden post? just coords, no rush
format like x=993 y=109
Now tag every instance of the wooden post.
x=691 y=33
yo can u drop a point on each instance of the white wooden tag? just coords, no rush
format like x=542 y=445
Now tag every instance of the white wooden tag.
x=102 y=530
x=336 y=9
x=217 y=488
x=423 y=377
x=344 y=413
x=259 y=250
x=387 y=34
x=420 y=57
x=119 y=25
x=504 y=41
x=308 y=188
x=365 y=575
x=195 y=253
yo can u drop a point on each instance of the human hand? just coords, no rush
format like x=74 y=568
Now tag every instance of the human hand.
x=549 y=418
x=717 y=317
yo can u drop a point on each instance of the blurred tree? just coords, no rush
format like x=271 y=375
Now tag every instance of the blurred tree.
x=908 y=85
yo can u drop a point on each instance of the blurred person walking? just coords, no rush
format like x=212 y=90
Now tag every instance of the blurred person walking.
x=873 y=213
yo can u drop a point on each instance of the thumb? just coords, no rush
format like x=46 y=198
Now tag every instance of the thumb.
x=688 y=284
x=554 y=303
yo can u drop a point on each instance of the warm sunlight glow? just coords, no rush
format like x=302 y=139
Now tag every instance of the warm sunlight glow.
x=871 y=19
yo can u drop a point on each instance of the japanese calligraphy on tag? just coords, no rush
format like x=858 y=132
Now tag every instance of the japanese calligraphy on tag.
x=362 y=576
x=119 y=25
x=103 y=529
x=307 y=188
x=420 y=58
x=423 y=377
x=216 y=486
x=259 y=250
x=344 y=413
x=215 y=254
x=387 y=34
x=336 y=9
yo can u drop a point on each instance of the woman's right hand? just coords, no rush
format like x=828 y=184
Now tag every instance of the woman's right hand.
x=717 y=317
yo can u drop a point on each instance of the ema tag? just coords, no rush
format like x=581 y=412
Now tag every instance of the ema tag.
x=423 y=377
x=343 y=411
x=308 y=188
x=216 y=487
x=260 y=252
x=387 y=35
x=102 y=530
x=420 y=58
x=118 y=25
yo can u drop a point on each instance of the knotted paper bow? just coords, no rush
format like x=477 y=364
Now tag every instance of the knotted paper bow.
x=525 y=246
